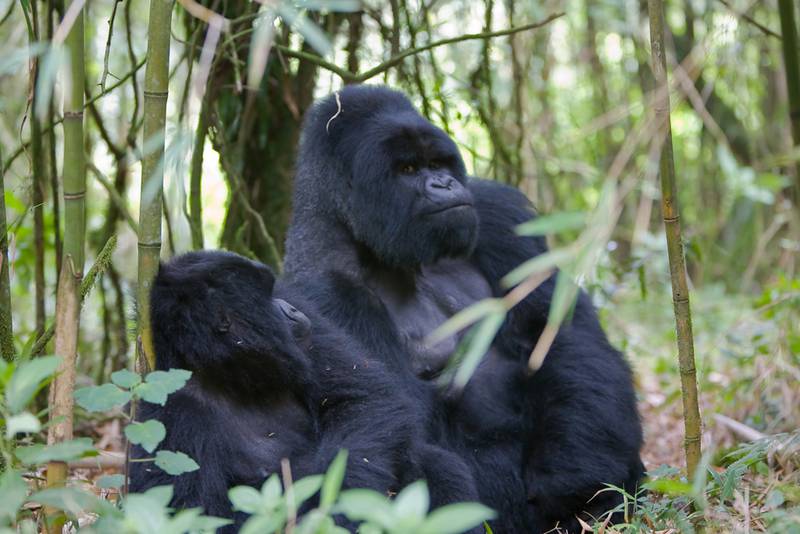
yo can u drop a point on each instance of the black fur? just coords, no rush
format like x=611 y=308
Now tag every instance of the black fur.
x=270 y=382
x=389 y=272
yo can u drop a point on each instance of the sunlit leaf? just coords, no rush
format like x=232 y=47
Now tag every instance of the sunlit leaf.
x=13 y=491
x=413 y=501
x=111 y=481
x=28 y=379
x=72 y=500
x=539 y=264
x=552 y=224
x=478 y=346
x=310 y=31
x=463 y=319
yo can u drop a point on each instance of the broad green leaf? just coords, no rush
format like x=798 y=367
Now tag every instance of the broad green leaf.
x=59 y=452
x=101 y=398
x=158 y=385
x=125 y=378
x=145 y=512
x=262 y=524
x=332 y=482
x=28 y=379
x=246 y=499
x=24 y=422
x=271 y=491
x=111 y=481
x=72 y=500
x=463 y=319
x=13 y=491
x=413 y=501
x=148 y=434
x=160 y=494
x=456 y=518
x=365 y=505
x=552 y=224
x=175 y=463
x=305 y=488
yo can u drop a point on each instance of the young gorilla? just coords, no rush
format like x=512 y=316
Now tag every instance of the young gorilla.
x=399 y=240
x=270 y=383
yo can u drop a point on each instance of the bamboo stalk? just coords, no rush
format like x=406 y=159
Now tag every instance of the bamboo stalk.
x=677 y=262
x=790 y=61
x=156 y=85
x=6 y=324
x=67 y=297
x=195 y=185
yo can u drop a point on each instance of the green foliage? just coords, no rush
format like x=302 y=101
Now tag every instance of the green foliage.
x=175 y=463
x=148 y=433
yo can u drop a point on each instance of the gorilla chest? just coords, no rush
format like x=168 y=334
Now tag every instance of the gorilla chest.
x=418 y=305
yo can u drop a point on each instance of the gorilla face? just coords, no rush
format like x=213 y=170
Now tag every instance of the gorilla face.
x=397 y=182
x=213 y=312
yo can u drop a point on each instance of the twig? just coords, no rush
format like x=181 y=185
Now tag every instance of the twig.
x=107 y=53
x=115 y=197
x=740 y=429
x=750 y=19
x=24 y=146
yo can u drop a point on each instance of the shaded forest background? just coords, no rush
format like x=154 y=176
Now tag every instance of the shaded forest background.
x=551 y=96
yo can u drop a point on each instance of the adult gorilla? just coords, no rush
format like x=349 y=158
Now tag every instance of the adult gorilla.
x=401 y=239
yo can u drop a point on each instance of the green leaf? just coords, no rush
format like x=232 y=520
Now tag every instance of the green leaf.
x=160 y=384
x=262 y=524
x=245 y=499
x=59 y=452
x=101 y=398
x=28 y=379
x=552 y=224
x=13 y=491
x=305 y=488
x=72 y=500
x=148 y=434
x=312 y=33
x=413 y=501
x=175 y=463
x=24 y=422
x=340 y=6
x=332 y=482
x=125 y=378
x=110 y=481
x=478 y=346
x=456 y=518
x=271 y=491
x=539 y=264
x=365 y=505
x=469 y=315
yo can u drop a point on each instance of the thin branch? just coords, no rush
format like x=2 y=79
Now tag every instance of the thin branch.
x=751 y=20
x=24 y=146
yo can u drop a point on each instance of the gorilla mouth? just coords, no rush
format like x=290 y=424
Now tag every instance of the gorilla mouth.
x=449 y=207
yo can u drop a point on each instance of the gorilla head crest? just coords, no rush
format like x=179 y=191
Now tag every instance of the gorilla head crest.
x=370 y=162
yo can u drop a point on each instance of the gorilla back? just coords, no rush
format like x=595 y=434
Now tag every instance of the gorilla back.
x=402 y=239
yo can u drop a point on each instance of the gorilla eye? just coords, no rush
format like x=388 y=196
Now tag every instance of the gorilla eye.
x=408 y=169
x=434 y=165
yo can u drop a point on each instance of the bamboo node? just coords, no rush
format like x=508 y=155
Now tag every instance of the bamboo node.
x=73 y=114
x=152 y=244
x=157 y=94
x=672 y=219
x=680 y=300
x=74 y=196
x=689 y=371
x=693 y=439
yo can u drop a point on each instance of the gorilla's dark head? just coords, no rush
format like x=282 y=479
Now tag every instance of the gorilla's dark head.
x=392 y=178
x=213 y=313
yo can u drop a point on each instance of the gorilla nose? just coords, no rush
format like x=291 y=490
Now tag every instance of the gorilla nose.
x=291 y=313
x=444 y=189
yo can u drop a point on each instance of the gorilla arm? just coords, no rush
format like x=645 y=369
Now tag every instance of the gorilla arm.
x=582 y=429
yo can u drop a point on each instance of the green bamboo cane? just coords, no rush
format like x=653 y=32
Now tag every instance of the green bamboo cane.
x=6 y=326
x=67 y=309
x=790 y=61
x=677 y=262
x=156 y=84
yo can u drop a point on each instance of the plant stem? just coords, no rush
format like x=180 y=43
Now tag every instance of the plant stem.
x=790 y=61
x=156 y=86
x=6 y=323
x=677 y=261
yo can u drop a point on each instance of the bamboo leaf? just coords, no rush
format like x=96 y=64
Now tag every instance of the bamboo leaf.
x=552 y=224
